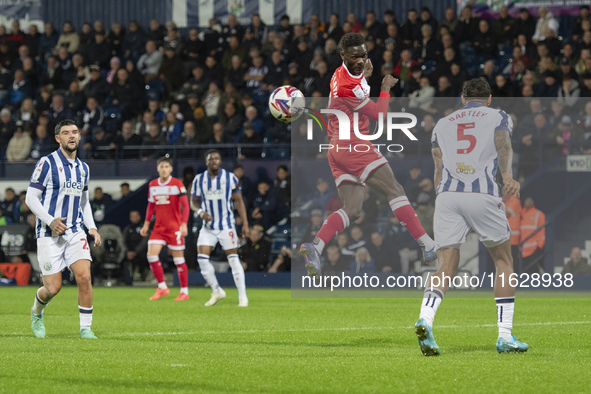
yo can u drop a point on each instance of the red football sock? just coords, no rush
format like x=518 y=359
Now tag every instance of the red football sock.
x=156 y=268
x=181 y=270
x=334 y=224
x=407 y=216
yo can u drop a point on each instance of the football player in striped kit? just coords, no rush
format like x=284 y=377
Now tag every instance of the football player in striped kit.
x=58 y=196
x=212 y=194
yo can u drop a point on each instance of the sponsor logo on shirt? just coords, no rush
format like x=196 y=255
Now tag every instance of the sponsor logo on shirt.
x=464 y=169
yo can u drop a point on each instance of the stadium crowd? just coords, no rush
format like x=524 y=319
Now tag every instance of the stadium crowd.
x=158 y=89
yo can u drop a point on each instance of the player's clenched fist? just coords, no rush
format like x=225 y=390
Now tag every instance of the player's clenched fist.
x=511 y=188
x=57 y=226
x=388 y=82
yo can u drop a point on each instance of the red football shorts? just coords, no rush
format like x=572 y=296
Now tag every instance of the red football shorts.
x=354 y=162
x=163 y=236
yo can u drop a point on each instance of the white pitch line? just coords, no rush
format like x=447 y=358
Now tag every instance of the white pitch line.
x=135 y=334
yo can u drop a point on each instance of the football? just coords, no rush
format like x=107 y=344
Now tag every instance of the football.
x=286 y=103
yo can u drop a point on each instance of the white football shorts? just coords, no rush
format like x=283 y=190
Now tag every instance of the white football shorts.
x=57 y=253
x=456 y=213
x=227 y=238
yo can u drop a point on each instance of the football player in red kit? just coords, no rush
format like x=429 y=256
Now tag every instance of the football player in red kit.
x=358 y=162
x=167 y=198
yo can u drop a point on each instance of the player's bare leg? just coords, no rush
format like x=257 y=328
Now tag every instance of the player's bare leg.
x=156 y=267
x=351 y=195
x=52 y=284
x=81 y=271
x=208 y=273
x=384 y=180
x=178 y=256
x=505 y=299
x=238 y=274
x=449 y=260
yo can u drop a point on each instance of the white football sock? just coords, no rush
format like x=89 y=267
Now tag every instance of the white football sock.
x=238 y=274
x=85 y=317
x=208 y=272
x=38 y=305
x=505 y=308
x=431 y=300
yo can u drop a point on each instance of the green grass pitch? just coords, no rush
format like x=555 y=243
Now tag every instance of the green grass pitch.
x=283 y=345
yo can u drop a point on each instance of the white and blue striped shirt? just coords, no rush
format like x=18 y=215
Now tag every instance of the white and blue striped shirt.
x=62 y=182
x=467 y=141
x=216 y=198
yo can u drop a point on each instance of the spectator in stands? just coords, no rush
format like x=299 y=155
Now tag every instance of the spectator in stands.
x=101 y=139
x=264 y=207
x=97 y=87
x=149 y=63
x=126 y=95
x=334 y=262
x=86 y=37
x=115 y=38
x=282 y=262
x=398 y=235
x=136 y=246
x=583 y=16
x=502 y=87
x=171 y=71
x=334 y=30
x=74 y=99
x=154 y=138
x=483 y=41
x=69 y=39
x=525 y=25
x=172 y=128
x=211 y=101
x=385 y=260
x=93 y=117
x=282 y=183
x=569 y=92
x=10 y=205
x=20 y=89
x=422 y=98
x=114 y=65
x=410 y=30
x=231 y=119
x=100 y=204
x=133 y=41
x=564 y=136
x=19 y=145
x=503 y=28
x=255 y=74
x=530 y=140
x=194 y=49
x=356 y=241
x=427 y=49
x=404 y=66
x=363 y=263
x=126 y=138
x=316 y=220
x=532 y=240
x=254 y=254
x=47 y=42
x=57 y=111
x=43 y=143
x=545 y=22
x=52 y=77
x=467 y=27
x=577 y=265
x=125 y=190
x=99 y=51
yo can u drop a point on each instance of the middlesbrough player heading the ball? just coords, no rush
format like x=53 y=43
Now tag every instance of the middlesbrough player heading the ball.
x=354 y=168
x=167 y=198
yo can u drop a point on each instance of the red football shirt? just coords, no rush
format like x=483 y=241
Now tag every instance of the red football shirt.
x=350 y=93
x=166 y=198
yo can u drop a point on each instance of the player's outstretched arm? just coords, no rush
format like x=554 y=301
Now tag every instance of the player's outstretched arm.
x=371 y=109
x=438 y=159
x=237 y=197
x=505 y=162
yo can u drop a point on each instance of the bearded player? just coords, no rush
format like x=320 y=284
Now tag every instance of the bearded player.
x=167 y=198
x=357 y=162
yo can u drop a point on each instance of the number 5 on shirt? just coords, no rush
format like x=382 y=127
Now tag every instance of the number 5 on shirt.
x=466 y=137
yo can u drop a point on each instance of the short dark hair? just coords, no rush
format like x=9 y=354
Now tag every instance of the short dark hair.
x=282 y=167
x=210 y=151
x=124 y=184
x=476 y=89
x=165 y=158
x=351 y=40
x=62 y=123
x=238 y=165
